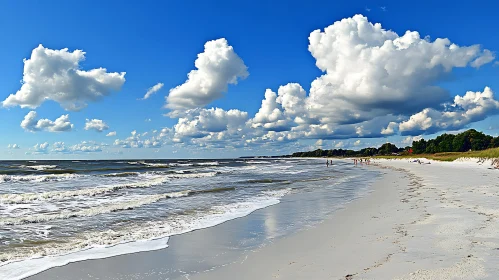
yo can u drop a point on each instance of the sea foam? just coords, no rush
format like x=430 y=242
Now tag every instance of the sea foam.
x=148 y=236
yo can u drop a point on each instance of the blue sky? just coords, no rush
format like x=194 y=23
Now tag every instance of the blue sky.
x=158 y=42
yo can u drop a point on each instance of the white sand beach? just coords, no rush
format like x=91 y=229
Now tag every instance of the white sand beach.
x=422 y=221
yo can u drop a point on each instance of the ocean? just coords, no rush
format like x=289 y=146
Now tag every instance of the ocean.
x=56 y=212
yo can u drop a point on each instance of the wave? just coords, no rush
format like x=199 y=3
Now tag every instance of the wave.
x=122 y=174
x=143 y=167
x=38 y=178
x=60 y=195
x=149 y=164
x=21 y=262
x=191 y=175
x=257 y=162
x=212 y=163
x=104 y=209
x=39 y=167
x=265 y=181
x=181 y=164
x=80 y=171
x=156 y=164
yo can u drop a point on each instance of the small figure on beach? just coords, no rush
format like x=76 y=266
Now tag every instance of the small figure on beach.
x=327 y=163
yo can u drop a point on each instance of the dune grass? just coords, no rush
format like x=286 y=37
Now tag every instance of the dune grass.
x=451 y=156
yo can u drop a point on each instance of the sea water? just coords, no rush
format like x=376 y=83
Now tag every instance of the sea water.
x=56 y=212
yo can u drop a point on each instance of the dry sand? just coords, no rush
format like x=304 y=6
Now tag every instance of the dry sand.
x=422 y=221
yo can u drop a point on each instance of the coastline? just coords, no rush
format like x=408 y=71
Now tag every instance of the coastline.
x=422 y=221
x=353 y=240
x=203 y=249
x=419 y=221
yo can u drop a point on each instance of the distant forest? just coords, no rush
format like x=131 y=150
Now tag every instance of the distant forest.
x=462 y=142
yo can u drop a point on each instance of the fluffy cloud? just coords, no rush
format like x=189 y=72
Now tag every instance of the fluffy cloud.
x=59 y=147
x=472 y=107
x=214 y=122
x=56 y=75
x=270 y=116
x=409 y=139
x=339 y=145
x=152 y=90
x=319 y=144
x=83 y=147
x=96 y=124
x=13 y=146
x=390 y=129
x=372 y=72
x=112 y=133
x=373 y=79
x=284 y=110
x=144 y=140
x=30 y=123
x=217 y=67
x=39 y=149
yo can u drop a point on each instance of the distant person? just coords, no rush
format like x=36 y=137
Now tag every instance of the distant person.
x=327 y=163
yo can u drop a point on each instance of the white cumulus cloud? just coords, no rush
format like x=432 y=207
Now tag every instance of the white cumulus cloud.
x=112 y=133
x=137 y=140
x=214 y=122
x=472 y=107
x=96 y=124
x=31 y=123
x=217 y=67
x=373 y=79
x=13 y=146
x=370 y=71
x=83 y=147
x=39 y=148
x=56 y=75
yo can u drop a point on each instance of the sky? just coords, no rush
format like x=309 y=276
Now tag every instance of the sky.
x=220 y=79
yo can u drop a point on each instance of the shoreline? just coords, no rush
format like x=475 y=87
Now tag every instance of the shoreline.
x=436 y=221
x=419 y=221
x=335 y=248
x=264 y=225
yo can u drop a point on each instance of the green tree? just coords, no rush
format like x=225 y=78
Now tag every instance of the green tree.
x=461 y=143
x=387 y=148
x=494 y=143
x=444 y=143
x=431 y=147
x=419 y=147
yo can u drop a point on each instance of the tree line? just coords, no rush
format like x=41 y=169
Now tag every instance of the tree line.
x=469 y=140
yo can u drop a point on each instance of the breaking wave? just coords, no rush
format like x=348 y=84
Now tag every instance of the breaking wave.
x=144 y=231
x=38 y=178
x=39 y=167
x=60 y=195
x=109 y=208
